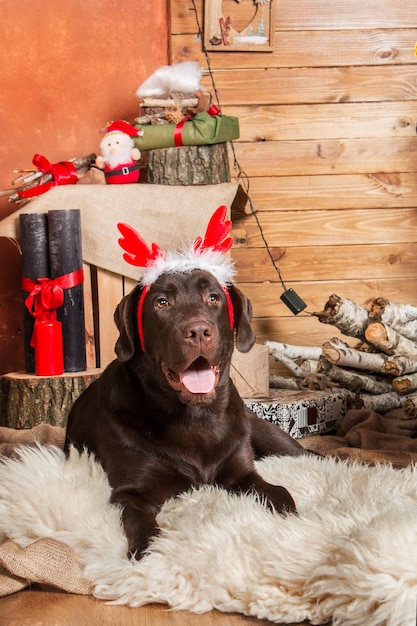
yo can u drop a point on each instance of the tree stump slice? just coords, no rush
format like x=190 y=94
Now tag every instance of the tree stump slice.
x=27 y=400
x=189 y=165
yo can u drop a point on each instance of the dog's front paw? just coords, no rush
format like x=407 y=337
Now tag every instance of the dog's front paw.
x=281 y=499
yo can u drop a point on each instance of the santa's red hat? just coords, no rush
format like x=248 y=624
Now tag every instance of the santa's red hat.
x=120 y=126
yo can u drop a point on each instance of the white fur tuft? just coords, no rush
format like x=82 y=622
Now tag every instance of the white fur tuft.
x=184 y=77
x=186 y=261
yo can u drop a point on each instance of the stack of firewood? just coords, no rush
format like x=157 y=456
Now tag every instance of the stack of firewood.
x=380 y=372
x=172 y=107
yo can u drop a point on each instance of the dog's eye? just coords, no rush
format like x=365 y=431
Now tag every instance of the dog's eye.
x=161 y=303
x=213 y=298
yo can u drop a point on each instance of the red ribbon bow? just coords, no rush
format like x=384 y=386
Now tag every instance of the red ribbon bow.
x=63 y=173
x=46 y=295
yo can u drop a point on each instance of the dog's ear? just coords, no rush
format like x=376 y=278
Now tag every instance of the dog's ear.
x=125 y=319
x=242 y=308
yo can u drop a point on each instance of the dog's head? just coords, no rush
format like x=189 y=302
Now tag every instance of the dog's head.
x=186 y=323
x=186 y=330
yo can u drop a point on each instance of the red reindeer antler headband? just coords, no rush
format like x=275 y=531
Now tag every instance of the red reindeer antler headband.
x=206 y=253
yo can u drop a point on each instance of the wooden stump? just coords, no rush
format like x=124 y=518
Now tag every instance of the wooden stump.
x=189 y=165
x=27 y=400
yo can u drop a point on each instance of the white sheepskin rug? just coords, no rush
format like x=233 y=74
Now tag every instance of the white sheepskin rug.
x=349 y=557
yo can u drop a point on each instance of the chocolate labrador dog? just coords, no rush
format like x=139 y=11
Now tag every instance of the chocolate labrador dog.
x=165 y=415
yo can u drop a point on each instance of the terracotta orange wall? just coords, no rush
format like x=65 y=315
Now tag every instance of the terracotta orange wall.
x=66 y=68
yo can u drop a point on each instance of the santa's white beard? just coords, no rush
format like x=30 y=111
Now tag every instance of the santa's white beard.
x=117 y=155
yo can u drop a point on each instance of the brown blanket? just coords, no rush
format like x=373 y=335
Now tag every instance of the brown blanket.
x=363 y=435
x=371 y=438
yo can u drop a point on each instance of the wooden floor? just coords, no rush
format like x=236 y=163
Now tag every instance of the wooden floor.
x=44 y=606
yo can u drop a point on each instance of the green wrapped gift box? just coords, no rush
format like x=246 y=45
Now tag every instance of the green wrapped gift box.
x=203 y=129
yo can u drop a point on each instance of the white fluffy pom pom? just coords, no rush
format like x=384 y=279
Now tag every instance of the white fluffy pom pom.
x=184 y=77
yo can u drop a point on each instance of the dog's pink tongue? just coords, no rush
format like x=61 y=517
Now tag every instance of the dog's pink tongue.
x=199 y=378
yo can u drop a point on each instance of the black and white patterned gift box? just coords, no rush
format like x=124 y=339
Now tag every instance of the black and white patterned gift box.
x=302 y=413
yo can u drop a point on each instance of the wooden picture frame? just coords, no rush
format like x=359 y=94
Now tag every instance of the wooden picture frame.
x=236 y=25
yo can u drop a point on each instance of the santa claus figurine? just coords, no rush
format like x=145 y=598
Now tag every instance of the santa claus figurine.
x=119 y=157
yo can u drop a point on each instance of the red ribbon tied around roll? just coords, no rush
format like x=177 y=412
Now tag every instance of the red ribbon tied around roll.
x=213 y=111
x=178 y=131
x=63 y=173
x=46 y=295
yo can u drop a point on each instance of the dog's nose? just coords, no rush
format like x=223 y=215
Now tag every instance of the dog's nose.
x=198 y=333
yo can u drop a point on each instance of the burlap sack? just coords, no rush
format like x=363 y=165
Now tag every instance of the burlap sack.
x=43 y=434
x=45 y=561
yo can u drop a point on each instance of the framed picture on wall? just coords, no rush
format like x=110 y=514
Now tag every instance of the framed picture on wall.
x=231 y=25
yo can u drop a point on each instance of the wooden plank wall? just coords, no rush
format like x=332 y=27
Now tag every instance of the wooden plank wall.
x=328 y=143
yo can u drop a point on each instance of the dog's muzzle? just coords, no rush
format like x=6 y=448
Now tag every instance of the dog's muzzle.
x=198 y=379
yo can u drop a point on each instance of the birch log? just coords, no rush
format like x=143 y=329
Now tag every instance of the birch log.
x=309 y=366
x=399 y=365
x=400 y=317
x=183 y=100
x=381 y=403
x=353 y=380
x=357 y=359
x=350 y=318
x=336 y=342
x=289 y=364
x=404 y=384
x=291 y=351
x=410 y=405
x=389 y=340
x=408 y=329
x=284 y=382
x=391 y=313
